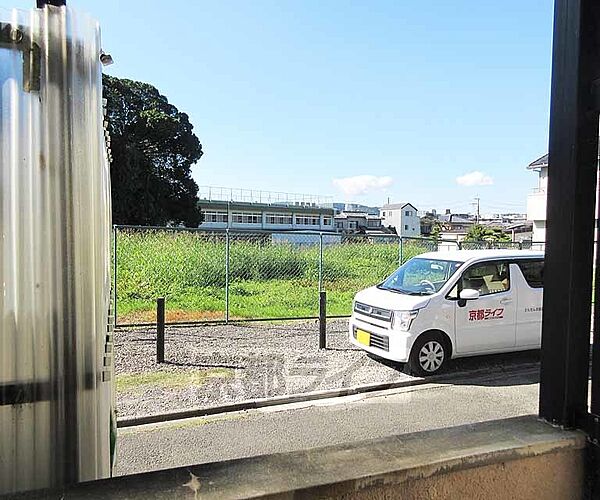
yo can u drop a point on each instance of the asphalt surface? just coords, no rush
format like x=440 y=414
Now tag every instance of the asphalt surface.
x=506 y=392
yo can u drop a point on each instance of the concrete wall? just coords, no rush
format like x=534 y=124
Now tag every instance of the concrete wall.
x=539 y=230
x=554 y=476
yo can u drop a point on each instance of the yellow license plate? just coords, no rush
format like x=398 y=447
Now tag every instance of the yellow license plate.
x=363 y=337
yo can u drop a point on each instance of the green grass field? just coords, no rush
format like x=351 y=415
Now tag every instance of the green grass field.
x=266 y=279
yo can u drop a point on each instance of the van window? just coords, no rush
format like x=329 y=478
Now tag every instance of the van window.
x=533 y=271
x=487 y=278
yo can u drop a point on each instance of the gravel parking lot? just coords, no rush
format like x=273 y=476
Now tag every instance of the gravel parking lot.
x=213 y=365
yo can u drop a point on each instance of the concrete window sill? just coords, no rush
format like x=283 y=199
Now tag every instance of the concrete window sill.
x=513 y=458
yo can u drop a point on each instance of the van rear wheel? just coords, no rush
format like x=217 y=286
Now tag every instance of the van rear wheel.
x=429 y=355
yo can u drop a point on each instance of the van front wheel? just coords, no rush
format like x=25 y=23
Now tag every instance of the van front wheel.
x=429 y=355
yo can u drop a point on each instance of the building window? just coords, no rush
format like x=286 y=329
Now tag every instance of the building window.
x=327 y=221
x=215 y=216
x=383 y=214
x=308 y=220
x=406 y=227
x=352 y=224
x=339 y=224
x=408 y=213
x=246 y=218
x=280 y=219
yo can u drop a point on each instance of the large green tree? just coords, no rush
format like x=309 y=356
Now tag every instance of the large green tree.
x=153 y=148
x=478 y=232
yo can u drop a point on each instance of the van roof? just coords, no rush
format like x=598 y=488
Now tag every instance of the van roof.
x=467 y=255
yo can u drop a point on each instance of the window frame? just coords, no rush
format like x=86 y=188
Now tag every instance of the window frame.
x=508 y=262
x=244 y=216
x=313 y=220
x=459 y=279
x=279 y=219
x=216 y=214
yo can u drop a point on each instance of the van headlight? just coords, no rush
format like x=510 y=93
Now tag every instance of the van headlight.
x=403 y=319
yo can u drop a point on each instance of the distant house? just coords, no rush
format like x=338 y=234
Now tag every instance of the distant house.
x=428 y=221
x=403 y=217
x=454 y=226
x=520 y=231
x=536 y=201
x=358 y=222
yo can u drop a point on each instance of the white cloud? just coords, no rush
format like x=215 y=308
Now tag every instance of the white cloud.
x=362 y=184
x=475 y=178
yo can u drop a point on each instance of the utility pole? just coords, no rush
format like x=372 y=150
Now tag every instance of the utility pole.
x=476 y=203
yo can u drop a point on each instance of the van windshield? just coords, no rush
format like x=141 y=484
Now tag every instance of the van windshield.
x=420 y=276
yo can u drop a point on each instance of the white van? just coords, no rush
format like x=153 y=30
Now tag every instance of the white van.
x=443 y=305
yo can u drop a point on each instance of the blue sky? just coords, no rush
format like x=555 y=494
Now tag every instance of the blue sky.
x=358 y=100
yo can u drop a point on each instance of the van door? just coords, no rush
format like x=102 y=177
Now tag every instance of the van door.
x=530 y=274
x=488 y=323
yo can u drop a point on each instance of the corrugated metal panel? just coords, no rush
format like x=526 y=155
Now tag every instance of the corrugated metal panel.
x=55 y=401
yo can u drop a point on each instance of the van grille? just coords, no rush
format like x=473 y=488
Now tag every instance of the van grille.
x=379 y=341
x=373 y=312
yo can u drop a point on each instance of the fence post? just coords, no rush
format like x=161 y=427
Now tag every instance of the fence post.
x=160 y=330
x=400 y=251
x=227 y=276
x=115 y=232
x=320 y=262
x=322 y=319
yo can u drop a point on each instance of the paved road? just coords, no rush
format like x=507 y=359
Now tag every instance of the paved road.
x=332 y=421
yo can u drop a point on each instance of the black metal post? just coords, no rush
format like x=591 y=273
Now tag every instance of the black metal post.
x=572 y=165
x=160 y=330
x=322 y=320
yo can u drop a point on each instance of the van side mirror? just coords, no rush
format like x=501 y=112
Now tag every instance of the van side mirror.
x=469 y=294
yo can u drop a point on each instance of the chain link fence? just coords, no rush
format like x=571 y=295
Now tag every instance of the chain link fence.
x=234 y=275
x=488 y=245
x=188 y=268
x=272 y=275
x=353 y=262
